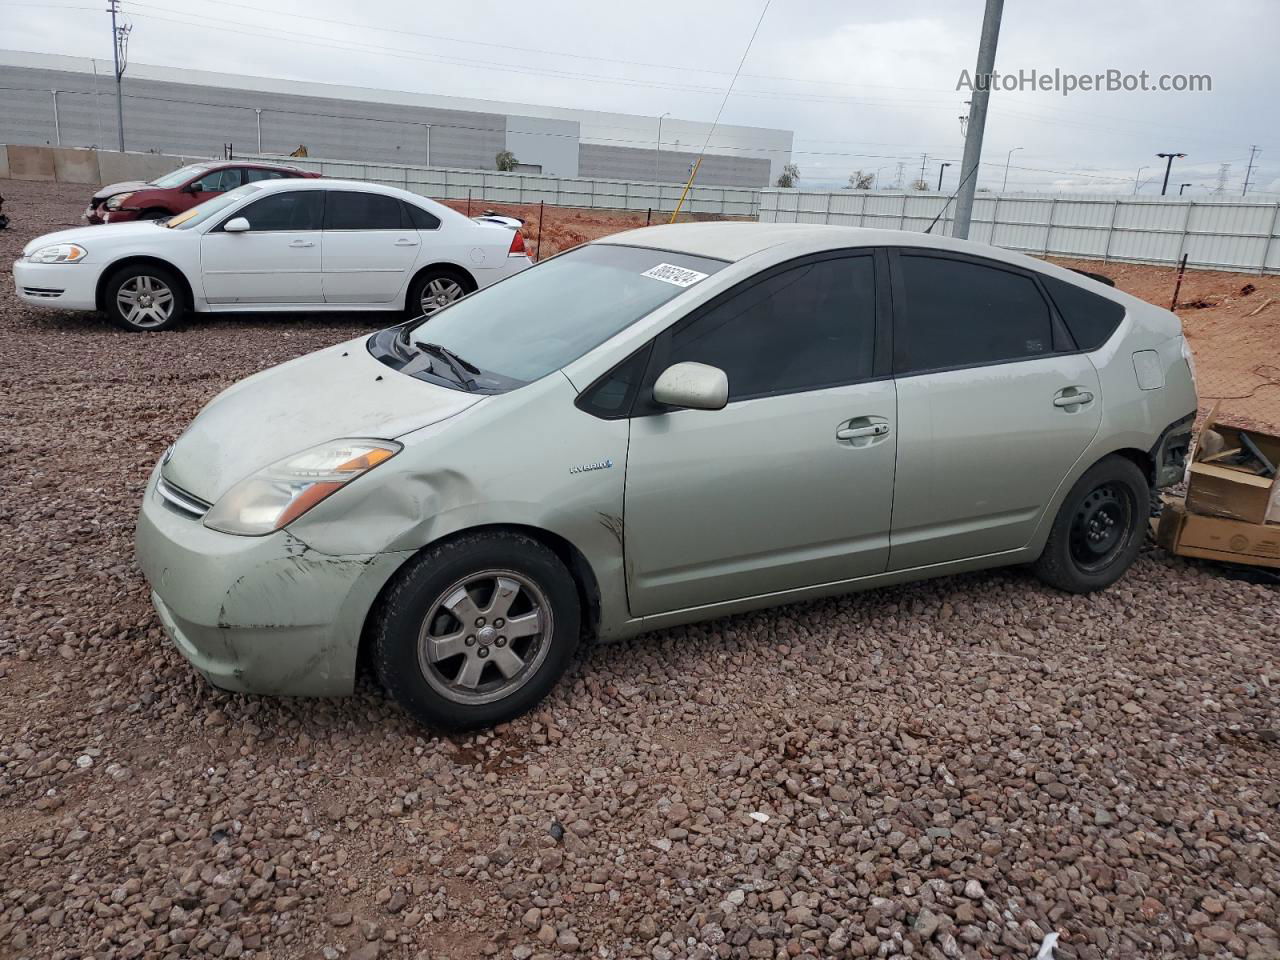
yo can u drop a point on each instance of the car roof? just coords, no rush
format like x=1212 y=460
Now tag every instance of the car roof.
x=252 y=164
x=736 y=240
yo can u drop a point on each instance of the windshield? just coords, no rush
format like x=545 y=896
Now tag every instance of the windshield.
x=549 y=315
x=210 y=208
x=179 y=176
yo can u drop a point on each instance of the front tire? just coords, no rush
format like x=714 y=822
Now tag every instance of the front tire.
x=1099 y=528
x=144 y=298
x=155 y=213
x=476 y=630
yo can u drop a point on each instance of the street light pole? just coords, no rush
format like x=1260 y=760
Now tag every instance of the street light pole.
x=977 y=118
x=941 y=170
x=1009 y=156
x=1183 y=187
x=657 y=147
x=1168 y=165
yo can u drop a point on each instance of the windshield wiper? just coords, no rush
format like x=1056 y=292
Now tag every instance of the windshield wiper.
x=455 y=363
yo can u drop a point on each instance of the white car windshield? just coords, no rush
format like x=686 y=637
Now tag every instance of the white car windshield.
x=551 y=314
x=201 y=212
x=179 y=176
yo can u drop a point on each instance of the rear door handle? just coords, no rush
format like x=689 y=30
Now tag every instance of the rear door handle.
x=402 y=242
x=1076 y=398
x=302 y=243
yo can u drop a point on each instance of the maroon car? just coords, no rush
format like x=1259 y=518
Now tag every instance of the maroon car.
x=180 y=190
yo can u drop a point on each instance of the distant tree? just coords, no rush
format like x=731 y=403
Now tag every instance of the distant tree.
x=983 y=190
x=506 y=161
x=789 y=175
x=861 y=181
x=919 y=185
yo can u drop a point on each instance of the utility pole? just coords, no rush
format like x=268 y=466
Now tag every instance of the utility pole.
x=924 y=159
x=119 y=50
x=941 y=170
x=1136 y=181
x=977 y=118
x=1168 y=165
x=1245 y=189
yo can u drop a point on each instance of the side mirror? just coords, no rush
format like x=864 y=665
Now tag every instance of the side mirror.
x=236 y=225
x=694 y=386
x=192 y=187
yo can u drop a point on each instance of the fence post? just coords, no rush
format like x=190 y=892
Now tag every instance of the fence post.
x=1111 y=230
x=1186 y=228
x=827 y=216
x=902 y=220
x=1048 y=234
x=995 y=221
x=1271 y=235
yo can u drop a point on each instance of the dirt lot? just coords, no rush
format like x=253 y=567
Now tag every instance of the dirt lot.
x=951 y=769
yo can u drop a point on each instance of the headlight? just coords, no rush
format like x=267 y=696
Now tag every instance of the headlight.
x=114 y=201
x=284 y=491
x=59 y=253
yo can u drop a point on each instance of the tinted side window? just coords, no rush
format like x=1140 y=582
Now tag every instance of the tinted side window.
x=1090 y=318
x=609 y=398
x=361 y=211
x=220 y=181
x=253 y=175
x=958 y=313
x=299 y=210
x=420 y=219
x=806 y=328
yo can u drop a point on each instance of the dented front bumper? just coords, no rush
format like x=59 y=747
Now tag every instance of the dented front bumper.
x=263 y=615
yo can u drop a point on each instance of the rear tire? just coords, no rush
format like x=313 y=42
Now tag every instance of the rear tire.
x=476 y=630
x=1099 y=528
x=142 y=298
x=434 y=289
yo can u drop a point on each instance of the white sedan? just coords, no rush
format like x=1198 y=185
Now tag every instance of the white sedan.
x=282 y=245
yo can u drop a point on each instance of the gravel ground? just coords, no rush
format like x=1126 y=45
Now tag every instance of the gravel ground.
x=951 y=769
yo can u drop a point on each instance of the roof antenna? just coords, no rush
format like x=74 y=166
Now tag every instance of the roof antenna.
x=929 y=229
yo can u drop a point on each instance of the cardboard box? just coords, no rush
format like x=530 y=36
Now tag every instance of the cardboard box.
x=1238 y=491
x=1217 y=538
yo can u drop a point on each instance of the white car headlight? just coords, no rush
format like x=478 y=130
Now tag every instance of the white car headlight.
x=115 y=200
x=277 y=495
x=59 y=253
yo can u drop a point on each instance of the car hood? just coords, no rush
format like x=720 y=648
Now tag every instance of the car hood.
x=337 y=392
x=89 y=237
x=124 y=186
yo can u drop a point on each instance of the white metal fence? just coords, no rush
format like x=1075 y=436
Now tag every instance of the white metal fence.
x=492 y=186
x=1214 y=234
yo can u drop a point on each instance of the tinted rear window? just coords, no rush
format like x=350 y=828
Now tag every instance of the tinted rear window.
x=960 y=313
x=361 y=211
x=1090 y=318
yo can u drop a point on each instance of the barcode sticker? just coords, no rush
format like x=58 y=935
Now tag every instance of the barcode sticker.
x=670 y=273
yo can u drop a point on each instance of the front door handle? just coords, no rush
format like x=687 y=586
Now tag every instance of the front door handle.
x=853 y=433
x=862 y=431
x=1072 y=397
x=302 y=243
x=406 y=243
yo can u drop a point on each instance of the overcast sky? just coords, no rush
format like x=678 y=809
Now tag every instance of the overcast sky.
x=863 y=85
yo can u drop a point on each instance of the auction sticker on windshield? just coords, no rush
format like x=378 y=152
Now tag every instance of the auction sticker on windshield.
x=670 y=273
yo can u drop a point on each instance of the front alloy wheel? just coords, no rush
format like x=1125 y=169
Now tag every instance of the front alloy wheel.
x=144 y=298
x=485 y=637
x=475 y=630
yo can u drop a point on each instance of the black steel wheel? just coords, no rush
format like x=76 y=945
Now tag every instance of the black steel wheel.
x=1099 y=527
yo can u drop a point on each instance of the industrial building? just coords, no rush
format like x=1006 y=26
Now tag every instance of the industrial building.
x=70 y=101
